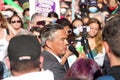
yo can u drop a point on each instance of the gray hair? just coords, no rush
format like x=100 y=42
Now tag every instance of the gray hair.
x=34 y=16
x=48 y=32
x=24 y=32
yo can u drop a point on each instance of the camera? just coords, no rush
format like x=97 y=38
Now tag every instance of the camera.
x=81 y=29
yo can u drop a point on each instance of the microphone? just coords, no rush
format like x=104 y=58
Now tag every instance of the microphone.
x=73 y=50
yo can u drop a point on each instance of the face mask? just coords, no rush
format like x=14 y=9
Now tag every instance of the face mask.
x=63 y=10
x=54 y=21
x=93 y=9
x=76 y=31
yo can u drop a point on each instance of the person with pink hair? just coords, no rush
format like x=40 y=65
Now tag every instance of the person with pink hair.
x=84 y=69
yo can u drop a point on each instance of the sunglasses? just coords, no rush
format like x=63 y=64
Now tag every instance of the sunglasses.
x=40 y=23
x=18 y=21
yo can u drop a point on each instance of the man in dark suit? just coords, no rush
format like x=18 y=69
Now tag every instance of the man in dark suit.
x=54 y=42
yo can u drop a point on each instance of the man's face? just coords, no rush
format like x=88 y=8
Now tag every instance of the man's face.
x=39 y=22
x=59 y=43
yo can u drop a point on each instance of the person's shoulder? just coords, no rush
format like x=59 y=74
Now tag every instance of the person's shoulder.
x=44 y=52
x=48 y=58
x=41 y=75
x=9 y=78
x=47 y=55
x=106 y=77
x=46 y=72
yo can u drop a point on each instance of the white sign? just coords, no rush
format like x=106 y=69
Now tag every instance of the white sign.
x=44 y=6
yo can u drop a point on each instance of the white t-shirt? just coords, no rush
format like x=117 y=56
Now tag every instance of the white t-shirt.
x=41 y=75
x=3 y=46
x=99 y=58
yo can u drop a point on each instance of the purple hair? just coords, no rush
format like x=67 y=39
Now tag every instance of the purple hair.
x=84 y=69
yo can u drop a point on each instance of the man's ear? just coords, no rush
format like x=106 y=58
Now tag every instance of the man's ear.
x=107 y=48
x=7 y=62
x=41 y=62
x=48 y=43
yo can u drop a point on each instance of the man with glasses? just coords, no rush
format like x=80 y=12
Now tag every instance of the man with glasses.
x=39 y=20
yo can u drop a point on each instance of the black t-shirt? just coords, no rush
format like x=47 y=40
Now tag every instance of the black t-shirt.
x=115 y=72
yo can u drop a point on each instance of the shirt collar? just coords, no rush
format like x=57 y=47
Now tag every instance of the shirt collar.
x=57 y=57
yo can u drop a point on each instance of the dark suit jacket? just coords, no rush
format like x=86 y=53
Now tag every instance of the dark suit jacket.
x=51 y=63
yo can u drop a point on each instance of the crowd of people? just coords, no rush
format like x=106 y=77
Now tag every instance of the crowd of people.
x=55 y=47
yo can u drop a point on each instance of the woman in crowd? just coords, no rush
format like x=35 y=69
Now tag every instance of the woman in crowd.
x=17 y=24
x=95 y=41
x=5 y=36
x=68 y=15
x=77 y=22
x=53 y=15
x=6 y=33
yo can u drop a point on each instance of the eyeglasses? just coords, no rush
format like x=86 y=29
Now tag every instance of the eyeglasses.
x=18 y=21
x=40 y=23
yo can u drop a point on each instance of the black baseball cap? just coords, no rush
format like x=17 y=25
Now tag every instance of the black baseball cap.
x=24 y=48
x=93 y=3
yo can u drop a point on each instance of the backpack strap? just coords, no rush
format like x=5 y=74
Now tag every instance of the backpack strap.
x=7 y=31
x=106 y=77
x=116 y=10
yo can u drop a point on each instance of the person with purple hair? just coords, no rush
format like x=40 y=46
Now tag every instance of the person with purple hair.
x=84 y=69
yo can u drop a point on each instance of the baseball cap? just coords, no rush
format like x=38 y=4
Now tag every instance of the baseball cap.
x=93 y=3
x=83 y=3
x=25 y=5
x=24 y=48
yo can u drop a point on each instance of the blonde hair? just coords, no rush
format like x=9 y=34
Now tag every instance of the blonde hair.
x=98 y=37
x=3 y=21
x=98 y=40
